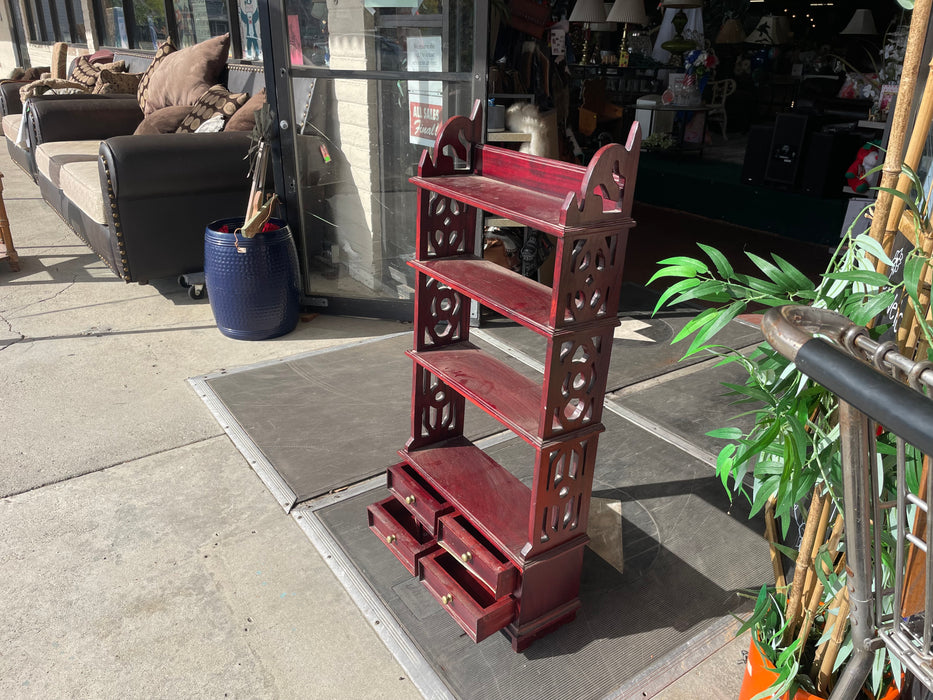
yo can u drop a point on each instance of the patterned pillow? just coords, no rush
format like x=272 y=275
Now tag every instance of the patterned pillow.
x=110 y=83
x=216 y=100
x=86 y=73
x=142 y=91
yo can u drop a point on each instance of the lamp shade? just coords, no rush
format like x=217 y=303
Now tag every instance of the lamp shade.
x=588 y=11
x=731 y=32
x=862 y=22
x=628 y=12
x=771 y=30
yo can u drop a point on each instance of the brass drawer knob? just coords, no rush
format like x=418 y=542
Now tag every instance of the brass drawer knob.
x=446 y=598
x=390 y=538
x=466 y=557
x=409 y=499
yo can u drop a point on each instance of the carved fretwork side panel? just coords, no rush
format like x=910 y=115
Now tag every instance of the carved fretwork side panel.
x=436 y=410
x=561 y=492
x=577 y=365
x=445 y=227
x=589 y=277
x=443 y=314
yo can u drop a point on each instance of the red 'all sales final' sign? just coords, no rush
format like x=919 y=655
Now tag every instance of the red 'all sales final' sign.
x=425 y=120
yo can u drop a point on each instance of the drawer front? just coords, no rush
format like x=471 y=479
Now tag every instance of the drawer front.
x=478 y=555
x=466 y=600
x=417 y=495
x=406 y=537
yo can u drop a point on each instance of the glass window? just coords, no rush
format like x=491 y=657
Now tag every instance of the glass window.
x=355 y=150
x=151 y=26
x=248 y=11
x=44 y=23
x=70 y=21
x=198 y=20
x=112 y=24
x=374 y=34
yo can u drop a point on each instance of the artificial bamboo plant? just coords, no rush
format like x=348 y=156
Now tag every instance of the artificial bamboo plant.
x=787 y=464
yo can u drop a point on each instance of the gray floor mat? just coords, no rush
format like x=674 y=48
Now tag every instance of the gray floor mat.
x=687 y=554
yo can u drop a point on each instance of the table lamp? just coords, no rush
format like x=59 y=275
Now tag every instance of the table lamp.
x=587 y=12
x=862 y=23
x=731 y=32
x=627 y=12
x=772 y=30
x=679 y=44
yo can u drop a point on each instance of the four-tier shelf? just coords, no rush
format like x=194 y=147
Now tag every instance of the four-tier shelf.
x=494 y=552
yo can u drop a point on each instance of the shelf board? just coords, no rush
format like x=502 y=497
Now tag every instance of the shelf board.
x=509 y=397
x=508 y=137
x=515 y=297
x=493 y=499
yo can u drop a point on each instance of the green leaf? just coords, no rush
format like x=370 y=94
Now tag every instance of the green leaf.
x=673 y=271
x=760 y=285
x=719 y=260
x=875 y=279
x=872 y=247
x=675 y=288
x=695 y=324
x=774 y=273
x=718 y=323
x=726 y=433
x=864 y=313
x=913 y=268
x=796 y=276
x=683 y=261
x=709 y=290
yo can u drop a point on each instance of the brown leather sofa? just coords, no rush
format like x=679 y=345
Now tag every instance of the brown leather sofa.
x=139 y=201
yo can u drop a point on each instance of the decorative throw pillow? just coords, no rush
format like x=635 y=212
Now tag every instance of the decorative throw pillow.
x=183 y=76
x=215 y=100
x=100 y=56
x=163 y=121
x=245 y=117
x=212 y=125
x=110 y=83
x=86 y=73
x=142 y=92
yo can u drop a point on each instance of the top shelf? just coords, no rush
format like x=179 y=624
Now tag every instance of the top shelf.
x=548 y=195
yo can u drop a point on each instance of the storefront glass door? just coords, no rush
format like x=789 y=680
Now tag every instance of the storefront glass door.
x=366 y=84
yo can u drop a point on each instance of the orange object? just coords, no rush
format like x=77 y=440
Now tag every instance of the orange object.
x=760 y=674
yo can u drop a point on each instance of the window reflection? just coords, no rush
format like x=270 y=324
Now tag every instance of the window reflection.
x=248 y=11
x=198 y=20
x=151 y=28
x=355 y=153
x=113 y=23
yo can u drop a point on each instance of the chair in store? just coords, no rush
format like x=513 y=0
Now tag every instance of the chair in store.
x=720 y=91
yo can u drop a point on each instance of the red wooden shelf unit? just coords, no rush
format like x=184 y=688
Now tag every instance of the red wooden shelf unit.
x=495 y=553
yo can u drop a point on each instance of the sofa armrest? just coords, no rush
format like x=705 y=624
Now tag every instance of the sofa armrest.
x=162 y=165
x=9 y=97
x=82 y=117
x=161 y=190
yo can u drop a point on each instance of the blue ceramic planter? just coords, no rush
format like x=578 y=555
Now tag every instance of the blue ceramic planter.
x=254 y=294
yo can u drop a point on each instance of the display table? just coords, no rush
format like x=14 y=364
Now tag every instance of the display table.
x=682 y=115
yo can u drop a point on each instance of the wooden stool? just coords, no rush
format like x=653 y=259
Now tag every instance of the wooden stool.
x=7 y=251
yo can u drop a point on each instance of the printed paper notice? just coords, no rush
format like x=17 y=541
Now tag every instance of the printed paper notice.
x=425 y=97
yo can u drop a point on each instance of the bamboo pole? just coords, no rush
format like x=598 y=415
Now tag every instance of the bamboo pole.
x=827 y=653
x=912 y=592
x=813 y=603
x=772 y=537
x=812 y=579
x=918 y=139
x=803 y=565
x=894 y=157
x=911 y=329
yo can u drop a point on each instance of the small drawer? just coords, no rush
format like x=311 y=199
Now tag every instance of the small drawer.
x=476 y=553
x=408 y=539
x=467 y=601
x=417 y=494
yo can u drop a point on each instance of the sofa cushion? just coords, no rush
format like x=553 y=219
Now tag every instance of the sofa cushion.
x=11 y=124
x=142 y=92
x=111 y=83
x=245 y=117
x=100 y=56
x=163 y=121
x=52 y=155
x=183 y=76
x=216 y=100
x=86 y=73
x=80 y=183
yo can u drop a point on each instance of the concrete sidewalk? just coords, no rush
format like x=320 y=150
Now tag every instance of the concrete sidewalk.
x=141 y=556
